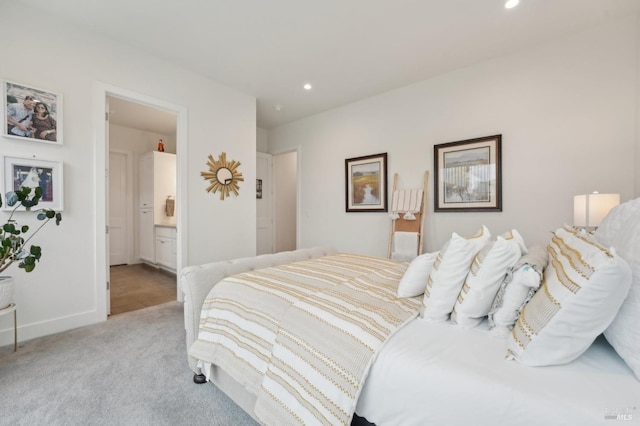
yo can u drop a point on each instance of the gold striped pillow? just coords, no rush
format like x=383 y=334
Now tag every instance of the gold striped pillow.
x=583 y=287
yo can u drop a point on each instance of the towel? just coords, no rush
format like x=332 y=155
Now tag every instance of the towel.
x=170 y=206
x=405 y=245
x=407 y=201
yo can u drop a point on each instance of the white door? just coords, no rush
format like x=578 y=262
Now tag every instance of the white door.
x=117 y=209
x=264 y=204
x=285 y=180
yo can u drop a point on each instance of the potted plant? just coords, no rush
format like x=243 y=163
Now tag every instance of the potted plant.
x=14 y=238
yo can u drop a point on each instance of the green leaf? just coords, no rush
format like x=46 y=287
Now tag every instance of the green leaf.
x=36 y=251
x=24 y=229
x=12 y=199
x=28 y=204
x=28 y=267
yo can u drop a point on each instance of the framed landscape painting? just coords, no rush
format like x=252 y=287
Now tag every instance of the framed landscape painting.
x=32 y=114
x=366 y=183
x=468 y=175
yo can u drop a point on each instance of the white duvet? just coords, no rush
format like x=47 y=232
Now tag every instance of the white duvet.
x=438 y=374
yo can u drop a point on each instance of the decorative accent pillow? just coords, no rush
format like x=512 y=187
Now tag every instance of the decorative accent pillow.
x=449 y=271
x=415 y=278
x=487 y=272
x=518 y=287
x=624 y=331
x=582 y=290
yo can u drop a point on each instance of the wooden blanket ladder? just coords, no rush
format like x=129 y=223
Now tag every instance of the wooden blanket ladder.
x=407 y=220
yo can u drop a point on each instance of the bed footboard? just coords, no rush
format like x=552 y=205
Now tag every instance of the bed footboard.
x=197 y=281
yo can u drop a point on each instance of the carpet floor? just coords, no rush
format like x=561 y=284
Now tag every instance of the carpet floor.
x=130 y=370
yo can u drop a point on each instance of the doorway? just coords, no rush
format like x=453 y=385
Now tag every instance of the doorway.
x=133 y=130
x=264 y=204
x=286 y=204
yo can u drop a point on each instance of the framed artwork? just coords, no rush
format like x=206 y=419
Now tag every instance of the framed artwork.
x=21 y=172
x=32 y=114
x=258 y=188
x=468 y=175
x=223 y=175
x=366 y=183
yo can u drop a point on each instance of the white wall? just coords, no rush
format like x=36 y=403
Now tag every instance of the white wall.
x=261 y=140
x=566 y=110
x=62 y=292
x=139 y=141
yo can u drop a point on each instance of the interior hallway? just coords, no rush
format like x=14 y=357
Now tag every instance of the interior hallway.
x=140 y=286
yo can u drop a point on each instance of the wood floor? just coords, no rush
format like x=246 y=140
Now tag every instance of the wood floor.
x=139 y=286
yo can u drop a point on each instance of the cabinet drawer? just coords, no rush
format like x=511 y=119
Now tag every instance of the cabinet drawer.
x=165 y=232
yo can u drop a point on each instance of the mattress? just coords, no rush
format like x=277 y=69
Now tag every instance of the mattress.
x=438 y=374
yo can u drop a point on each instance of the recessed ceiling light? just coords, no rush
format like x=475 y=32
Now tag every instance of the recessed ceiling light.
x=307 y=86
x=510 y=4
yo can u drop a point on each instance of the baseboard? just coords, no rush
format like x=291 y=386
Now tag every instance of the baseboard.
x=44 y=328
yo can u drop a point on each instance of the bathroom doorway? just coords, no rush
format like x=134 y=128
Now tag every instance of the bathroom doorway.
x=134 y=129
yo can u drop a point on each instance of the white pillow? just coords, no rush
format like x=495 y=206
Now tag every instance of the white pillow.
x=449 y=271
x=616 y=219
x=518 y=292
x=518 y=287
x=624 y=331
x=583 y=288
x=488 y=269
x=415 y=277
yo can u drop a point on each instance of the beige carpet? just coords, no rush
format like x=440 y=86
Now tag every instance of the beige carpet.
x=130 y=370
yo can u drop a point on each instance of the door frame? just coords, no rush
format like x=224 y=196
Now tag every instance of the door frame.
x=100 y=93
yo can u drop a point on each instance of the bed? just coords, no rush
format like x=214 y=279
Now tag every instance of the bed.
x=412 y=369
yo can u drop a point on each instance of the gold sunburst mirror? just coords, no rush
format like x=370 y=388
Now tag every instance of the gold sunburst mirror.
x=223 y=175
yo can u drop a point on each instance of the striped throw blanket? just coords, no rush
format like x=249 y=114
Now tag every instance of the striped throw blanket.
x=302 y=336
x=407 y=201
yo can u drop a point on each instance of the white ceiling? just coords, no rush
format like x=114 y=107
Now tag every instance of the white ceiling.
x=142 y=117
x=347 y=49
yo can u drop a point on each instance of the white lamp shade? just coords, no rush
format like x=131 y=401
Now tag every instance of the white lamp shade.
x=590 y=209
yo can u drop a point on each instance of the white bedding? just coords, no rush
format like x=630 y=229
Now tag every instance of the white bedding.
x=423 y=367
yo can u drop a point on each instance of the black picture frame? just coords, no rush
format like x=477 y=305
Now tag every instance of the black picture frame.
x=366 y=183
x=468 y=175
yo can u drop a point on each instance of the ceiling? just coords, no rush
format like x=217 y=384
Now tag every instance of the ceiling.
x=142 y=117
x=347 y=49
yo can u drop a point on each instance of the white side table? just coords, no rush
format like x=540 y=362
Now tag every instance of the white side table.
x=8 y=310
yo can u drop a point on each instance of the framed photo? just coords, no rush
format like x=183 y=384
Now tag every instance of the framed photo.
x=32 y=114
x=20 y=172
x=258 y=188
x=468 y=175
x=366 y=183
